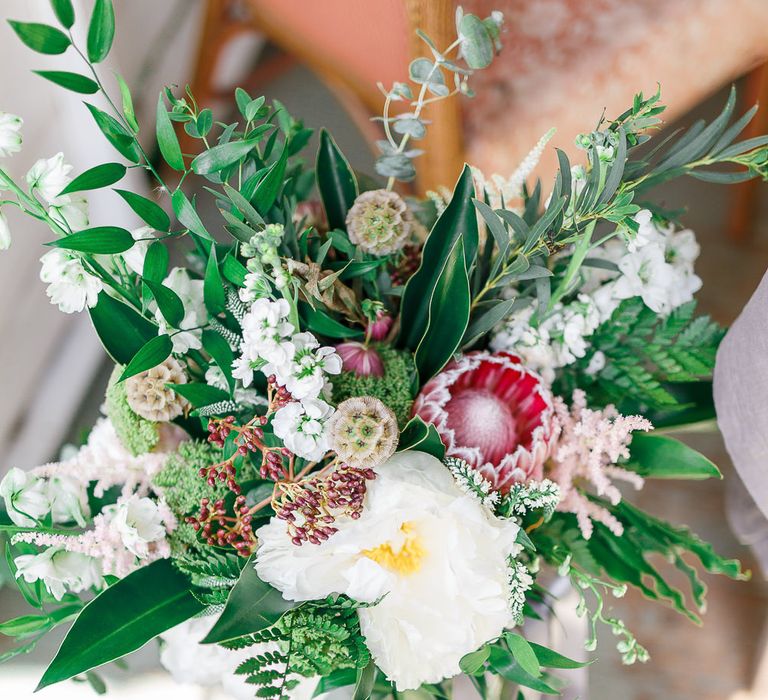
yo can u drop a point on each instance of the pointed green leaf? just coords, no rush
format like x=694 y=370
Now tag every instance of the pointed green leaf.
x=128 y=110
x=366 y=678
x=187 y=215
x=270 y=185
x=122 y=619
x=244 y=206
x=71 y=81
x=213 y=289
x=150 y=212
x=222 y=354
x=523 y=653
x=64 y=11
x=549 y=658
x=96 y=178
x=503 y=663
x=252 y=606
x=101 y=31
x=156 y=262
x=222 y=156
x=321 y=323
x=169 y=303
x=167 y=141
x=153 y=353
x=121 y=329
x=421 y=437
x=234 y=270
x=41 y=37
x=102 y=240
x=474 y=662
x=200 y=394
x=664 y=457
x=120 y=138
x=459 y=220
x=335 y=180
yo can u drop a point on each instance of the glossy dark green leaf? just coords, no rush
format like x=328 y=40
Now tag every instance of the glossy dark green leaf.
x=150 y=212
x=121 y=329
x=270 y=185
x=665 y=457
x=96 y=178
x=549 y=658
x=222 y=156
x=167 y=141
x=71 y=81
x=504 y=663
x=156 y=262
x=244 y=207
x=151 y=354
x=128 y=110
x=101 y=31
x=64 y=12
x=252 y=606
x=449 y=308
x=234 y=270
x=169 y=303
x=122 y=619
x=41 y=37
x=222 y=354
x=120 y=138
x=336 y=181
x=341 y=678
x=366 y=678
x=101 y=240
x=187 y=215
x=421 y=437
x=459 y=220
x=321 y=323
x=214 y=296
x=200 y=394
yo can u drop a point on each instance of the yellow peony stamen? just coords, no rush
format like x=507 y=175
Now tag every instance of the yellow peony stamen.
x=407 y=560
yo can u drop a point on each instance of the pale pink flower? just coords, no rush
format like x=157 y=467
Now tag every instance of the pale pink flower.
x=587 y=446
x=493 y=413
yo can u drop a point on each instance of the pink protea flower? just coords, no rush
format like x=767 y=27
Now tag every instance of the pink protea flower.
x=363 y=361
x=493 y=413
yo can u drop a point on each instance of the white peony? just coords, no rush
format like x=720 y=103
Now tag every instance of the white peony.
x=69 y=499
x=138 y=521
x=70 y=286
x=60 y=571
x=25 y=497
x=5 y=233
x=190 y=291
x=434 y=558
x=301 y=427
x=10 y=134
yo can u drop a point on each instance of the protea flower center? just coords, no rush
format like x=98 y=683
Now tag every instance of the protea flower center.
x=493 y=413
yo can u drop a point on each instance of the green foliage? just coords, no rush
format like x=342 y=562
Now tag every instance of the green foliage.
x=101 y=31
x=41 y=37
x=643 y=351
x=212 y=573
x=393 y=388
x=335 y=180
x=96 y=178
x=101 y=240
x=664 y=457
x=70 y=81
x=121 y=329
x=151 y=354
x=138 y=435
x=316 y=638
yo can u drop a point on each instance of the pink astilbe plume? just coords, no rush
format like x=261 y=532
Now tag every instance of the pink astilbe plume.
x=588 y=445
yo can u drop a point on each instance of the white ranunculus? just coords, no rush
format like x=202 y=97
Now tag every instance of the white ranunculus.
x=5 y=233
x=10 y=134
x=434 y=557
x=301 y=427
x=49 y=176
x=70 y=286
x=25 y=497
x=190 y=291
x=68 y=498
x=139 y=522
x=60 y=571
x=134 y=256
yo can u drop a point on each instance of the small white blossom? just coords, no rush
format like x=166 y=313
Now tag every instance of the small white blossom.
x=59 y=571
x=301 y=427
x=520 y=582
x=10 y=134
x=304 y=375
x=25 y=497
x=5 y=233
x=68 y=498
x=49 y=176
x=70 y=287
x=139 y=522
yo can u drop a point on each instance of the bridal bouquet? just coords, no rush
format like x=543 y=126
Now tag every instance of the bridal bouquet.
x=353 y=437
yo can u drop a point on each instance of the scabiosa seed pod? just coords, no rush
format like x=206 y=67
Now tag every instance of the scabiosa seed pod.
x=494 y=413
x=379 y=222
x=363 y=361
x=363 y=432
x=148 y=395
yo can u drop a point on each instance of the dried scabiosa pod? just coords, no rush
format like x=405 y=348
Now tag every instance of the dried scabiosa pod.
x=363 y=432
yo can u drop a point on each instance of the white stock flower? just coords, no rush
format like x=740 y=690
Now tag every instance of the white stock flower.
x=68 y=498
x=138 y=521
x=70 y=211
x=304 y=374
x=434 y=558
x=10 y=134
x=190 y=291
x=25 y=497
x=5 y=233
x=70 y=287
x=301 y=427
x=134 y=256
x=266 y=331
x=49 y=176
x=59 y=571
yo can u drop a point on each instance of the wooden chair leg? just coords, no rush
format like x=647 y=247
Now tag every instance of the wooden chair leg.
x=744 y=200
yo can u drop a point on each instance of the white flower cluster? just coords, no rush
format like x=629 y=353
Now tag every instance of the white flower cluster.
x=10 y=143
x=298 y=363
x=264 y=267
x=520 y=582
x=471 y=481
x=29 y=498
x=70 y=286
x=656 y=265
x=556 y=342
x=46 y=179
x=541 y=495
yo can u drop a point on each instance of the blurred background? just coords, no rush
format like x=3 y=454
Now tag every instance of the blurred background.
x=563 y=62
